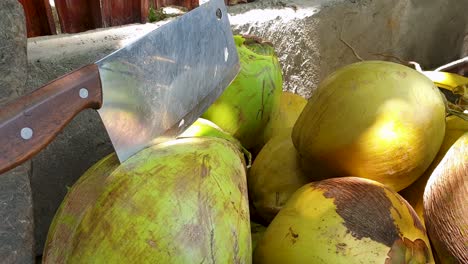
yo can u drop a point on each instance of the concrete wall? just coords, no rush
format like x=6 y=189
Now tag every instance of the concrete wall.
x=16 y=208
x=310 y=36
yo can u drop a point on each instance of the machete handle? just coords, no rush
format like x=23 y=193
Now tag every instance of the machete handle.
x=29 y=123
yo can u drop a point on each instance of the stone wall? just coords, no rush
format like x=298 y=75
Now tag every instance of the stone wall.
x=314 y=38
x=16 y=211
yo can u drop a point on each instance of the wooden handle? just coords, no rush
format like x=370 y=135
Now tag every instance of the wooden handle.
x=30 y=123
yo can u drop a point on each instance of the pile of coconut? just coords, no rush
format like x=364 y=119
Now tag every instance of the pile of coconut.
x=372 y=168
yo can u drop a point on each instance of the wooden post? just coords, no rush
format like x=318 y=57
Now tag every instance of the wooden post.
x=121 y=12
x=78 y=15
x=144 y=9
x=49 y=16
x=39 y=19
x=81 y=15
x=189 y=4
x=193 y=4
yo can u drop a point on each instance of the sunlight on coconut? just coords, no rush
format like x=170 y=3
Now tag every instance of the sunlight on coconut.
x=192 y=130
x=169 y=141
x=388 y=132
x=389 y=128
x=229 y=115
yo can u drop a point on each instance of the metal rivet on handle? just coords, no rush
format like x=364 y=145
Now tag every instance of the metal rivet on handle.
x=219 y=14
x=26 y=133
x=83 y=93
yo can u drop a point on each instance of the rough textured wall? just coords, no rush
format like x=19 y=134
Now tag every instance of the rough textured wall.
x=16 y=212
x=311 y=36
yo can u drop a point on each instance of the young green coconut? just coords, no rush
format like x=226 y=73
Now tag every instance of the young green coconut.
x=205 y=128
x=81 y=197
x=373 y=119
x=178 y=201
x=446 y=204
x=345 y=220
x=244 y=108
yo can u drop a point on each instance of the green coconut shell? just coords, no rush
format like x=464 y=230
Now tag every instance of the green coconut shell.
x=244 y=108
x=205 y=128
x=182 y=201
x=80 y=198
x=88 y=187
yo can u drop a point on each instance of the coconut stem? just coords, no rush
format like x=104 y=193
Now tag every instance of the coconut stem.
x=345 y=42
x=248 y=156
x=459 y=109
x=454 y=109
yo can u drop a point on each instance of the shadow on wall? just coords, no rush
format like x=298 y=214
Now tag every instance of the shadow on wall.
x=437 y=30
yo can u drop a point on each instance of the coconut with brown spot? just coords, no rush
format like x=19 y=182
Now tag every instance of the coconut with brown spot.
x=446 y=204
x=182 y=201
x=345 y=220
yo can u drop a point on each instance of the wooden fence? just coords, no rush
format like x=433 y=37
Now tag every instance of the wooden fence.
x=73 y=16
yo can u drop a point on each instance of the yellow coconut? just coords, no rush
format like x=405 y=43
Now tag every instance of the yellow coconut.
x=446 y=204
x=345 y=220
x=283 y=119
x=257 y=230
x=274 y=176
x=455 y=128
x=373 y=119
